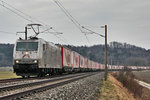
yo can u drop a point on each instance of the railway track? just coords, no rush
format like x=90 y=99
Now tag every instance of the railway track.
x=39 y=86
x=16 y=79
x=35 y=83
x=31 y=78
x=10 y=80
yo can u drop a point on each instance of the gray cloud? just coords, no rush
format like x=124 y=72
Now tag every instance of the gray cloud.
x=127 y=20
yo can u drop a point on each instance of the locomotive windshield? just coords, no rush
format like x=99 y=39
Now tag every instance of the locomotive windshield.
x=27 y=46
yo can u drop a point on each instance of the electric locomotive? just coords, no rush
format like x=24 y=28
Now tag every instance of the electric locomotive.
x=36 y=56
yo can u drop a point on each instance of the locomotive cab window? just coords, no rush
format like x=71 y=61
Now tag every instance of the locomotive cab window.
x=27 y=46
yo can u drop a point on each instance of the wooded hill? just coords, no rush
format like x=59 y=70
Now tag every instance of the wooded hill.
x=118 y=54
x=6 y=54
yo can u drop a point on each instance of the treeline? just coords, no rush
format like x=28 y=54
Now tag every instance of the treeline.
x=118 y=54
x=6 y=54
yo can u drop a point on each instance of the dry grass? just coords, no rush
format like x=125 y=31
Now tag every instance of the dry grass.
x=4 y=69
x=114 y=90
x=146 y=94
x=7 y=75
x=7 y=72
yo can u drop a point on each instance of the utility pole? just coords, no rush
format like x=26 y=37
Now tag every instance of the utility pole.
x=106 y=54
x=106 y=49
x=26 y=33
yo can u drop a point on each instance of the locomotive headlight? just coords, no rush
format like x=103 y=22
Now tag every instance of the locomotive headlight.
x=35 y=61
x=17 y=61
x=26 y=53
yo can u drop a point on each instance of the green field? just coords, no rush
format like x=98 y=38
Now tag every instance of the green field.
x=7 y=72
x=7 y=75
x=143 y=75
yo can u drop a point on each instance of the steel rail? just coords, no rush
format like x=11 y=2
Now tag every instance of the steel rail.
x=31 y=78
x=16 y=79
x=36 y=90
x=36 y=83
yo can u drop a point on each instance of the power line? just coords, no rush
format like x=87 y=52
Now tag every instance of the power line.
x=87 y=38
x=15 y=10
x=22 y=15
x=77 y=24
x=30 y=18
x=67 y=12
x=16 y=13
x=92 y=31
x=59 y=37
x=56 y=35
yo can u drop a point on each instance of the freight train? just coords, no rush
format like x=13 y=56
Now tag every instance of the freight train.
x=36 y=56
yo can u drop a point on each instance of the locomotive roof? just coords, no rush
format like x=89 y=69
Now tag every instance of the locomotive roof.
x=37 y=40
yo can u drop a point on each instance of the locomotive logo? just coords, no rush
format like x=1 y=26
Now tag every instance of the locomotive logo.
x=26 y=56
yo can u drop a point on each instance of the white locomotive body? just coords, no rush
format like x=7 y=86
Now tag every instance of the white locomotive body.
x=36 y=57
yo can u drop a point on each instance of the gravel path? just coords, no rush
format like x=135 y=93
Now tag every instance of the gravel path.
x=84 y=89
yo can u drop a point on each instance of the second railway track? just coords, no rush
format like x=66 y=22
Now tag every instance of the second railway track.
x=18 y=91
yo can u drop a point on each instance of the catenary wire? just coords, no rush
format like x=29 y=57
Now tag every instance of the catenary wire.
x=30 y=19
x=75 y=21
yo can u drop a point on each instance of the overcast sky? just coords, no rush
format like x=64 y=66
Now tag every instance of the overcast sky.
x=128 y=20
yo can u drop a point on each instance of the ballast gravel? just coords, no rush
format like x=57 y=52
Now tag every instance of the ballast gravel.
x=83 y=89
